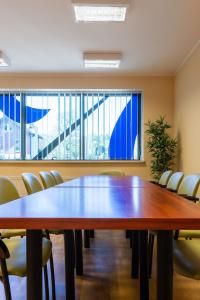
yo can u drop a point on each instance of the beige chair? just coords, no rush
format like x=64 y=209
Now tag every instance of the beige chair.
x=175 y=181
x=188 y=189
x=47 y=179
x=187 y=258
x=165 y=178
x=31 y=183
x=189 y=186
x=8 y=192
x=57 y=177
x=112 y=173
x=13 y=251
x=32 y=186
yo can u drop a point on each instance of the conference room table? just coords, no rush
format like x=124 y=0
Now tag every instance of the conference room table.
x=102 y=202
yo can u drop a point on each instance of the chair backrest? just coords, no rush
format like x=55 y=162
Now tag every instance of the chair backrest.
x=58 y=178
x=31 y=183
x=165 y=178
x=113 y=173
x=47 y=179
x=189 y=185
x=174 y=181
x=8 y=191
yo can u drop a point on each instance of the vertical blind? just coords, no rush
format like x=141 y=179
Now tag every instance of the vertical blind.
x=70 y=125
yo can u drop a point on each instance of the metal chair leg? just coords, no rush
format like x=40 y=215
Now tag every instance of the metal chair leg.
x=5 y=279
x=143 y=262
x=78 y=252
x=135 y=254
x=46 y=282
x=87 y=238
x=150 y=250
x=128 y=234
x=53 y=287
x=176 y=235
x=69 y=264
x=92 y=233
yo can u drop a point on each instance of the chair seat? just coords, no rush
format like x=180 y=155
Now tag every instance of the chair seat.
x=189 y=233
x=16 y=263
x=187 y=258
x=8 y=233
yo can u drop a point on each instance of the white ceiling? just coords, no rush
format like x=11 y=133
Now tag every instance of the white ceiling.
x=42 y=36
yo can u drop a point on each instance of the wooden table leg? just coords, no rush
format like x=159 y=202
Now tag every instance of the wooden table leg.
x=34 y=264
x=135 y=254
x=164 y=265
x=144 y=265
x=79 y=252
x=69 y=264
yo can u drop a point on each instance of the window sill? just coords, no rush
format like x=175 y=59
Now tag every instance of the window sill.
x=72 y=162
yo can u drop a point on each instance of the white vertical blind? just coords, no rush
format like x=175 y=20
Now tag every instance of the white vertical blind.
x=89 y=125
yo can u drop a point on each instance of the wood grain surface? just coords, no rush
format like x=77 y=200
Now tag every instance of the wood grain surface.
x=113 y=207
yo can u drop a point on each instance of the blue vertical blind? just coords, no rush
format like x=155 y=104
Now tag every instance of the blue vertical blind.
x=70 y=125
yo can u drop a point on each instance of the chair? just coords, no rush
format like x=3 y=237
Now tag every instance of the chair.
x=47 y=179
x=57 y=177
x=165 y=178
x=31 y=183
x=13 y=251
x=32 y=186
x=188 y=188
x=8 y=192
x=175 y=181
x=187 y=258
x=113 y=173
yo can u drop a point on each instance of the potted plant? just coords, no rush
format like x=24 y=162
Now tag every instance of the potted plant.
x=161 y=146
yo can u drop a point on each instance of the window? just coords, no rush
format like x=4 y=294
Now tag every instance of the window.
x=70 y=125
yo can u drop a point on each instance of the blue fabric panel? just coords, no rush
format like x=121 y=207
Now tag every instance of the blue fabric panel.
x=11 y=108
x=124 y=134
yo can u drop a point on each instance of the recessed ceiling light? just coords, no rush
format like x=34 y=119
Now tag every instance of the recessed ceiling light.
x=4 y=61
x=100 y=10
x=102 y=60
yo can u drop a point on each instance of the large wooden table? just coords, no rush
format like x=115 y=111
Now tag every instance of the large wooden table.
x=101 y=202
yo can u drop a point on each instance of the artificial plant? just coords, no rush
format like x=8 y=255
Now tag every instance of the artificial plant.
x=161 y=146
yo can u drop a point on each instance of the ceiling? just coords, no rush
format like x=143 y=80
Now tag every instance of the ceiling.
x=42 y=36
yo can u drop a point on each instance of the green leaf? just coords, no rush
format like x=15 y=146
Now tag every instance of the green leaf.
x=161 y=146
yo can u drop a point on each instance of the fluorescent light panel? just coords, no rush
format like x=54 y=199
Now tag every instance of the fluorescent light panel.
x=100 y=11
x=102 y=60
x=4 y=61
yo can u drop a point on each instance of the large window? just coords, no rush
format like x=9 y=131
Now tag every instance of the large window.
x=70 y=125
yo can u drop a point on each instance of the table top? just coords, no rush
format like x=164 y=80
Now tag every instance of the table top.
x=99 y=181
x=101 y=208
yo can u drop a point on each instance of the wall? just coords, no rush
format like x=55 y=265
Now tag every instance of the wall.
x=158 y=100
x=187 y=114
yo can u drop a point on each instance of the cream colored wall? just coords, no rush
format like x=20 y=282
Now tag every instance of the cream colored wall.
x=187 y=114
x=158 y=100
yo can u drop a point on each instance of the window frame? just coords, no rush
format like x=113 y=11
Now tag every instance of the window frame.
x=81 y=93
